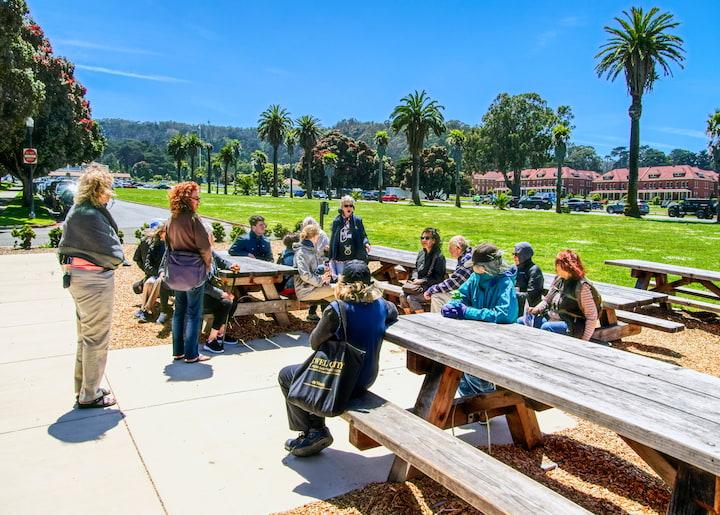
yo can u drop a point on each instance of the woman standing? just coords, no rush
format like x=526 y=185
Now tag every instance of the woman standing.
x=186 y=232
x=90 y=251
x=348 y=240
x=430 y=269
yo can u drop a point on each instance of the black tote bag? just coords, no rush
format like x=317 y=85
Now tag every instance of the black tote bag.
x=324 y=383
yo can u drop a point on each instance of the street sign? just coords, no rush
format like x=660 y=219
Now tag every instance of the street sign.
x=30 y=156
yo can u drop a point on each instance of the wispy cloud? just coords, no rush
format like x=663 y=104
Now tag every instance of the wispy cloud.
x=132 y=75
x=545 y=37
x=572 y=21
x=106 y=48
x=690 y=133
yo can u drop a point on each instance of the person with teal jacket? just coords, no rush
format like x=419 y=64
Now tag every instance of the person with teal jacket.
x=488 y=296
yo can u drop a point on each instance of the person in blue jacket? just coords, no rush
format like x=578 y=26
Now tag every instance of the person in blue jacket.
x=254 y=244
x=489 y=296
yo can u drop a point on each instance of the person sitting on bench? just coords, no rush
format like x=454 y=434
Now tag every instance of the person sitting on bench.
x=368 y=317
x=429 y=270
x=253 y=244
x=530 y=279
x=312 y=283
x=287 y=258
x=439 y=294
x=488 y=296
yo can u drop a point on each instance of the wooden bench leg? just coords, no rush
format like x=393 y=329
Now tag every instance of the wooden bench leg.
x=664 y=465
x=433 y=404
x=523 y=426
x=418 y=364
x=270 y=292
x=695 y=492
x=643 y=279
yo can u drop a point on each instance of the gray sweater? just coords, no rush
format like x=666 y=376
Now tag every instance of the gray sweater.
x=90 y=233
x=307 y=262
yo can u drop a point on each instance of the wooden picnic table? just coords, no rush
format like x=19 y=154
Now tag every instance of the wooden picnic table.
x=669 y=415
x=646 y=272
x=265 y=275
x=614 y=297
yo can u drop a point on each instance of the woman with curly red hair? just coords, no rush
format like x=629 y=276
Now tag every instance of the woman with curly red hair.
x=186 y=232
x=572 y=303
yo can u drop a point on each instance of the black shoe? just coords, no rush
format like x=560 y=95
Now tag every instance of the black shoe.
x=315 y=441
x=144 y=317
x=214 y=346
x=229 y=340
x=294 y=442
x=312 y=317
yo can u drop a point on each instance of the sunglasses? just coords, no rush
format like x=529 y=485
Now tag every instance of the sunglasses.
x=425 y=238
x=348 y=205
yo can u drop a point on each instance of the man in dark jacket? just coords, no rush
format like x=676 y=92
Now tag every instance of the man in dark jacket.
x=253 y=244
x=348 y=240
x=530 y=280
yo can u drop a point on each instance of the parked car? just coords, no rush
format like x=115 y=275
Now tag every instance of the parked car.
x=370 y=195
x=618 y=208
x=514 y=202
x=703 y=208
x=390 y=197
x=534 y=202
x=163 y=186
x=595 y=204
x=578 y=204
x=319 y=194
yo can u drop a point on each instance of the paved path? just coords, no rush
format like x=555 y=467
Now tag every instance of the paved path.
x=183 y=439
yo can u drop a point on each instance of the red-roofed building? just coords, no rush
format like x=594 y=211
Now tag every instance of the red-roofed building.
x=667 y=182
x=574 y=182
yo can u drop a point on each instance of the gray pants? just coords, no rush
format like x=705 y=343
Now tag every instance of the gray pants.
x=414 y=302
x=93 y=293
x=437 y=301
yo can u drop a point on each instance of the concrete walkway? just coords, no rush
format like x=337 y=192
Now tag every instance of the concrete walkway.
x=201 y=438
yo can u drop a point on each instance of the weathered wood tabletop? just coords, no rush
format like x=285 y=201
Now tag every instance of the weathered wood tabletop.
x=255 y=267
x=670 y=415
x=664 y=268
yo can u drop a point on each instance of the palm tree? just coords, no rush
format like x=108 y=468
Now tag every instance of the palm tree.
x=228 y=156
x=713 y=132
x=417 y=116
x=456 y=141
x=561 y=135
x=259 y=160
x=273 y=125
x=209 y=149
x=641 y=44
x=308 y=132
x=177 y=150
x=193 y=143
x=290 y=140
x=381 y=143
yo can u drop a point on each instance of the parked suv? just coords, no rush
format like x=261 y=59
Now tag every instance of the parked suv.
x=578 y=204
x=618 y=208
x=700 y=207
x=534 y=202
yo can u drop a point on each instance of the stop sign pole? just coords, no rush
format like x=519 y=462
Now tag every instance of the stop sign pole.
x=30 y=124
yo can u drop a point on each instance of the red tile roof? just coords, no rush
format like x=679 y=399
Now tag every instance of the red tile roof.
x=659 y=173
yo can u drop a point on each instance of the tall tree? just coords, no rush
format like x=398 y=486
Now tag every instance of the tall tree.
x=193 y=144
x=561 y=135
x=583 y=157
x=290 y=141
x=177 y=149
x=259 y=160
x=273 y=125
x=417 y=116
x=713 y=132
x=620 y=157
x=680 y=156
x=308 y=132
x=641 y=44
x=381 y=142
x=456 y=142
x=437 y=172
x=228 y=156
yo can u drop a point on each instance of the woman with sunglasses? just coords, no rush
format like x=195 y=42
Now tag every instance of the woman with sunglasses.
x=430 y=269
x=349 y=240
x=186 y=232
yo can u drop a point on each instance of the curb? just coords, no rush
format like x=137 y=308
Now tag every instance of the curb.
x=208 y=217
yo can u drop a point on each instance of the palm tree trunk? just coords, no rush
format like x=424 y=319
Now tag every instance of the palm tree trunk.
x=275 y=172
x=380 y=180
x=178 y=165
x=309 y=174
x=635 y=111
x=225 y=181
x=558 y=186
x=416 y=180
x=192 y=168
x=457 y=183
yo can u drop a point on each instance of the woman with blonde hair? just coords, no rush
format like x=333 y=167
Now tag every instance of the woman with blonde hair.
x=90 y=251
x=185 y=233
x=313 y=279
x=368 y=316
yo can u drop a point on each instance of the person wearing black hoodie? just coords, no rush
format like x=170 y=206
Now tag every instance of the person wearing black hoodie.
x=530 y=281
x=349 y=240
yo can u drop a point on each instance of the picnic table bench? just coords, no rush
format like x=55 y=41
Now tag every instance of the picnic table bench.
x=617 y=319
x=669 y=415
x=654 y=277
x=265 y=275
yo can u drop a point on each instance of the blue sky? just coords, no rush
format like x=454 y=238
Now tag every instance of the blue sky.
x=225 y=61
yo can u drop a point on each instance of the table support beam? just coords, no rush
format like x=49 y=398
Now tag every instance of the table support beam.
x=694 y=492
x=663 y=465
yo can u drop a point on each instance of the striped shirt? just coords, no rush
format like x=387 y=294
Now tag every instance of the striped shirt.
x=462 y=272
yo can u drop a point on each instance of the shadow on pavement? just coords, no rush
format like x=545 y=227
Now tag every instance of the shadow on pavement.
x=181 y=371
x=68 y=428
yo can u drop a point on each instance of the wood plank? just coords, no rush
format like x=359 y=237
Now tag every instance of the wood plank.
x=394 y=289
x=271 y=293
x=418 y=364
x=251 y=266
x=524 y=427
x=662 y=464
x=360 y=440
x=615 y=332
x=681 y=423
x=268 y=307
x=697 y=293
x=484 y=482
x=697 y=304
x=618 y=297
x=693 y=493
x=659 y=324
x=663 y=268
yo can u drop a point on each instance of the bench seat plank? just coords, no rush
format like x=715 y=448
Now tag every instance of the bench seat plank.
x=484 y=482
x=698 y=304
x=664 y=268
x=659 y=324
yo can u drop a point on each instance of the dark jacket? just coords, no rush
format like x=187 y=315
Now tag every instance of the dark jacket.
x=348 y=243
x=154 y=258
x=141 y=254
x=367 y=323
x=212 y=285
x=251 y=243
x=430 y=266
x=529 y=284
x=287 y=258
x=91 y=233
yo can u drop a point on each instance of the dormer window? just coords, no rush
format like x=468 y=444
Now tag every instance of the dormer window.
x=608 y=177
x=678 y=174
x=654 y=175
x=541 y=174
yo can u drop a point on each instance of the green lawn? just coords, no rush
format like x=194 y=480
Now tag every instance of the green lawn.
x=15 y=214
x=597 y=238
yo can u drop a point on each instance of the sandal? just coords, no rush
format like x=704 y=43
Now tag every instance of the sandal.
x=201 y=357
x=177 y=358
x=104 y=401
x=103 y=391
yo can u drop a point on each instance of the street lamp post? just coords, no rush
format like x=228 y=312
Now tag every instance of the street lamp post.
x=209 y=148
x=30 y=124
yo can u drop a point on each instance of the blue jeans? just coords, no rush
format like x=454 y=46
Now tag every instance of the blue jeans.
x=186 y=322
x=471 y=385
x=554 y=326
